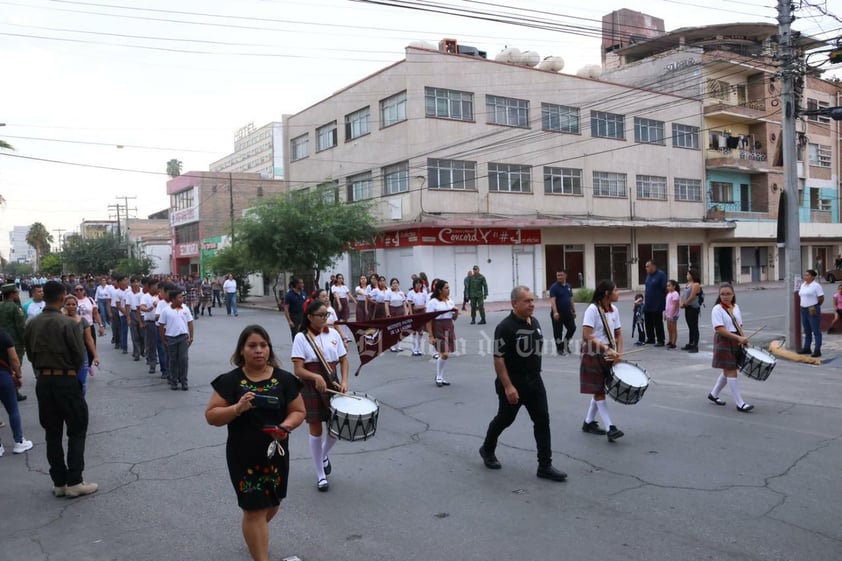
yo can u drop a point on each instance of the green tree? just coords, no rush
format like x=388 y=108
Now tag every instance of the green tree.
x=303 y=231
x=135 y=265
x=40 y=239
x=174 y=168
x=92 y=255
x=51 y=264
x=15 y=269
x=233 y=259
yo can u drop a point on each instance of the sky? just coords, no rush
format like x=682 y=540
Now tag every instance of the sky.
x=98 y=95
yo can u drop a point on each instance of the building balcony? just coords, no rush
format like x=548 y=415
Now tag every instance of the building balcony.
x=745 y=161
x=734 y=210
x=749 y=112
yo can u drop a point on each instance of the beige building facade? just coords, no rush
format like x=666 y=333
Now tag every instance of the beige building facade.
x=518 y=170
x=256 y=150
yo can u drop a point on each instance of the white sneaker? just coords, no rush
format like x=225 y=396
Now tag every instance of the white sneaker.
x=80 y=489
x=2 y=450
x=22 y=446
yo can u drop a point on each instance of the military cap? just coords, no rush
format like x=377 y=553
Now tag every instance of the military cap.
x=8 y=288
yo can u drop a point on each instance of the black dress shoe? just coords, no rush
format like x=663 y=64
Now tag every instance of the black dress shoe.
x=804 y=352
x=816 y=354
x=445 y=383
x=439 y=383
x=659 y=345
x=551 y=473
x=481 y=322
x=592 y=428
x=692 y=350
x=473 y=322
x=687 y=347
x=21 y=397
x=716 y=400
x=745 y=407
x=323 y=485
x=489 y=459
x=614 y=433
x=327 y=466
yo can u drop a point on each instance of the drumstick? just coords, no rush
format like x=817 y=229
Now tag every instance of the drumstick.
x=345 y=394
x=756 y=331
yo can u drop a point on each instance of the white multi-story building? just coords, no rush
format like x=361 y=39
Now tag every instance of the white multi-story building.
x=256 y=151
x=519 y=170
x=20 y=251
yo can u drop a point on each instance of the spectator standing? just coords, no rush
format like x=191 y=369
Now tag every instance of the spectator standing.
x=654 y=303
x=691 y=301
x=230 y=289
x=811 y=294
x=563 y=312
x=294 y=305
x=671 y=312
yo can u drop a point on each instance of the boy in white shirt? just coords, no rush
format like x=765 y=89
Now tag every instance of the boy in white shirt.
x=176 y=328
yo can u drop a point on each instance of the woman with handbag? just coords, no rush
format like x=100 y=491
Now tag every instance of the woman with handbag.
x=316 y=351
x=728 y=342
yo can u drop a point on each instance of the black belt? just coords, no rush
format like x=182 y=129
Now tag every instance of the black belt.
x=56 y=372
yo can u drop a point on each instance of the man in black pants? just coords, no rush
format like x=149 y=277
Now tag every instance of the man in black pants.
x=517 y=360
x=56 y=348
x=654 y=304
x=563 y=312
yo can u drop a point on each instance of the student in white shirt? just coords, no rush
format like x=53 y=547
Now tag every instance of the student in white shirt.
x=396 y=305
x=135 y=320
x=441 y=330
x=176 y=328
x=417 y=299
x=362 y=299
x=148 y=305
x=378 y=298
x=120 y=302
x=727 y=322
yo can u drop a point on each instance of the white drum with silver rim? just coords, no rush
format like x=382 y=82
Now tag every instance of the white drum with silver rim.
x=353 y=416
x=628 y=383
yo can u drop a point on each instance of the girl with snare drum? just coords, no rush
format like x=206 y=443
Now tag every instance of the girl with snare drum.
x=728 y=343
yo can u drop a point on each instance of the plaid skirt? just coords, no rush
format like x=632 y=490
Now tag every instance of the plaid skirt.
x=727 y=353
x=317 y=404
x=379 y=311
x=594 y=372
x=445 y=335
x=362 y=310
x=345 y=312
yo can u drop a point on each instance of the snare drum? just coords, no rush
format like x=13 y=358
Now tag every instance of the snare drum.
x=757 y=363
x=628 y=383
x=353 y=419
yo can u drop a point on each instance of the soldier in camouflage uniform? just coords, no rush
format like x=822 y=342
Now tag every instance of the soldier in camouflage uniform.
x=478 y=292
x=12 y=320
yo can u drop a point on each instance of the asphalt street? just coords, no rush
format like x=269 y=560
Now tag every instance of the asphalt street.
x=689 y=481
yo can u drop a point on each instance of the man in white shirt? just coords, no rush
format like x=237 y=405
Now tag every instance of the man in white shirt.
x=176 y=327
x=35 y=306
x=229 y=287
x=121 y=295
x=148 y=305
x=135 y=320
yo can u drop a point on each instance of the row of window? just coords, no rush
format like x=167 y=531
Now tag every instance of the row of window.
x=461 y=175
x=507 y=111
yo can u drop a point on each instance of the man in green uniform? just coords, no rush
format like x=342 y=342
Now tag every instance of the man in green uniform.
x=12 y=320
x=478 y=292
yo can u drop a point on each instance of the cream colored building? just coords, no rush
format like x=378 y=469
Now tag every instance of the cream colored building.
x=518 y=170
x=256 y=150
x=731 y=68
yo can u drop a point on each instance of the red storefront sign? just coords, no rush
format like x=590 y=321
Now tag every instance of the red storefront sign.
x=186 y=249
x=455 y=236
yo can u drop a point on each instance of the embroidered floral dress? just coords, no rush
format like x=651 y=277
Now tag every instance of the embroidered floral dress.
x=259 y=482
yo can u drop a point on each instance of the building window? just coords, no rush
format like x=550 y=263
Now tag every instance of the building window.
x=651 y=187
x=685 y=136
x=452 y=174
x=187 y=233
x=356 y=124
x=721 y=192
x=182 y=199
x=326 y=136
x=300 y=147
x=562 y=181
x=648 y=131
x=259 y=191
x=607 y=125
x=360 y=187
x=509 y=178
x=330 y=191
x=719 y=89
x=396 y=178
x=817 y=203
x=507 y=111
x=607 y=184
x=559 y=118
x=688 y=189
x=393 y=110
x=815 y=105
x=819 y=155
x=449 y=104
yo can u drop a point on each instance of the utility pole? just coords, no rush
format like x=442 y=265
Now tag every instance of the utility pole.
x=790 y=72
x=126 y=210
x=59 y=232
x=231 y=204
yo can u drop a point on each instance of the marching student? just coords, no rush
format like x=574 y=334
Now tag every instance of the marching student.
x=176 y=328
x=728 y=341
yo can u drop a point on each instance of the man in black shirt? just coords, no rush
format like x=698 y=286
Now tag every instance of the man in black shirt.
x=518 y=344
x=294 y=305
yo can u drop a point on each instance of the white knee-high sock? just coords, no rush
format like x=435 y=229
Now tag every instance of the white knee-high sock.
x=327 y=443
x=318 y=455
x=734 y=388
x=718 y=386
x=592 y=409
x=416 y=342
x=603 y=412
x=440 y=369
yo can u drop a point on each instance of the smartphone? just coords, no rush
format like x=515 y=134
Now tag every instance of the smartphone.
x=266 y=401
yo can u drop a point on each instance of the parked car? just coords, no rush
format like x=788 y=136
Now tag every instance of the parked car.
x=833 y=275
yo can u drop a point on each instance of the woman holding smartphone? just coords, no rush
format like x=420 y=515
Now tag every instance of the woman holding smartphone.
x=260 y=404
x=316 y=351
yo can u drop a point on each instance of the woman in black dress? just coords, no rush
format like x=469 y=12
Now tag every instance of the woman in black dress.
x=260 y=403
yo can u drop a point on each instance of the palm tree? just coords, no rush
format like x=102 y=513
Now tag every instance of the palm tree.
x=174 y=168
x=40 y=239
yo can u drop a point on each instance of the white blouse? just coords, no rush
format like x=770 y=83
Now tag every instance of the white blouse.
x=395 y=297
x=719 y=317
x=330 y=344
x=436 y=305
x=418 y=299
x=591 y=319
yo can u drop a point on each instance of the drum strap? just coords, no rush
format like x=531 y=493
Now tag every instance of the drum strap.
x=737 y=325
x=608 y=333
x=328 y=373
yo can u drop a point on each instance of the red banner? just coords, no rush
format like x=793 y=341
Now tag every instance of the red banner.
x=456 y=236
x=375 y=335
